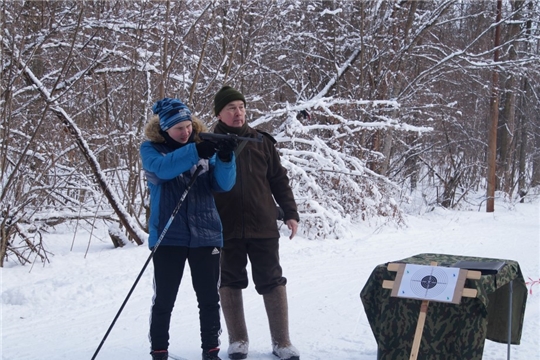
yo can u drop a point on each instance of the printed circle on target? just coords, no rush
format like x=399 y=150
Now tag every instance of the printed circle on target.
x=428 y=282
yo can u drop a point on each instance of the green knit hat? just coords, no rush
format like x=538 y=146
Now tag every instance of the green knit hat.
x=224 y=96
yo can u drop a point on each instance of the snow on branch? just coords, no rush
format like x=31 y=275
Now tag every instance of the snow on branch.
x=130 y=224
x=326 y=161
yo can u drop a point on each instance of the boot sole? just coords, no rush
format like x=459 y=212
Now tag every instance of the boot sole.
x=237 y=356
x=290 y=358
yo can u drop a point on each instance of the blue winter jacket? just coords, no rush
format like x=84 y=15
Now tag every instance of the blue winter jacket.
x=168 y=173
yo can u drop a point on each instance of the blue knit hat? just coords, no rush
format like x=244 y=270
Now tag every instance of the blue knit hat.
x=171 y=112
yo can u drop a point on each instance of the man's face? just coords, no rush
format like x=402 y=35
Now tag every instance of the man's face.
x=233 y=114
x=181 y=131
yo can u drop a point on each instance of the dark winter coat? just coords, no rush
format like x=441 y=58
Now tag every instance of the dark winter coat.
x=168 y=171
x=248 y=210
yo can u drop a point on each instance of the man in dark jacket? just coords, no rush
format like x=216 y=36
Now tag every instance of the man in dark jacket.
x=170 y=156
x=248 y=213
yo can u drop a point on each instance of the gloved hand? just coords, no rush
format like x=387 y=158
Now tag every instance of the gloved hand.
x=280 y=213
x=225 y=149
x=206 y=149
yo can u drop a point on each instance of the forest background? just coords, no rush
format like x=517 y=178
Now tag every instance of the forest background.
x=374 y=104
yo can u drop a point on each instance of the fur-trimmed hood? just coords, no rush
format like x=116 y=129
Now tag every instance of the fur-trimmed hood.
x=152 y=129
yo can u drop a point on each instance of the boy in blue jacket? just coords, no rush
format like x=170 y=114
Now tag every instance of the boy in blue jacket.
x=170 y=157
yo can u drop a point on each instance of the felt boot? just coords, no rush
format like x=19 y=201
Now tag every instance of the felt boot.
x=277 y=310
x=232 y=306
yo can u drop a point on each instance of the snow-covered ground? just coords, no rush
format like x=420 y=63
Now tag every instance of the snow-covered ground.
x=61 y=310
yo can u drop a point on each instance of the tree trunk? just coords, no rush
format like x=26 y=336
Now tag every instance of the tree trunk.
x=535 y=179
x=522 y=154
x=508 y=131
x=494 y=116
x=4 y=239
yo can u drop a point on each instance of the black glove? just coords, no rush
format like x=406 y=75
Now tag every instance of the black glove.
x=225 y=149
x=280 y=213
x=206 y=149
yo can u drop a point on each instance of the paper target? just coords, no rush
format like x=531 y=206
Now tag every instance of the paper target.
x=428 y=282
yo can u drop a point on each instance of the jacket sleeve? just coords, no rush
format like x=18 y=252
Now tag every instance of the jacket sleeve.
x=170 y=165
x=280 y=185
x=224 y=174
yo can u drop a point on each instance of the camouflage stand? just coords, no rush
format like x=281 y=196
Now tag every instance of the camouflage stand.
x=457 y=292
x=450 y=331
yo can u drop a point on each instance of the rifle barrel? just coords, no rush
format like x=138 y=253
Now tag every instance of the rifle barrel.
x=217 y=137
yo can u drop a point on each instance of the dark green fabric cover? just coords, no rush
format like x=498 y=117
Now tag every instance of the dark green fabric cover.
x=450 y=331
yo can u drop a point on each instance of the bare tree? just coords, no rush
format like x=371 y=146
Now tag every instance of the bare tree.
x=370 y=102
x=494 y=118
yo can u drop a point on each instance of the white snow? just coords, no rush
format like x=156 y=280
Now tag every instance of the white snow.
x=61 y=310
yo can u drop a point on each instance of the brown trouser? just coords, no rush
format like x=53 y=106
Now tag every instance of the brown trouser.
x=263 y=255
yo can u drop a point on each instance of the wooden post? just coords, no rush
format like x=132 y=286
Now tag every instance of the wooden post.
x=420 y=326
x=419 y=330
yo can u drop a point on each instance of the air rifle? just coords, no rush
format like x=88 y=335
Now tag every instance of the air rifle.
x=217 y=137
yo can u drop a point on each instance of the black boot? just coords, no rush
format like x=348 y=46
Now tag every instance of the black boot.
x=159 y=354
x=211 y=354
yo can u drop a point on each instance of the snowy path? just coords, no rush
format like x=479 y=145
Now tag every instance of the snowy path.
x=62 y=310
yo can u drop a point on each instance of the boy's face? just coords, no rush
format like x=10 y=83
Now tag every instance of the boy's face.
x=181 y=131
x=233 y=114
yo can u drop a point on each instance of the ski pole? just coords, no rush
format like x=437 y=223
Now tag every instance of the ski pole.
x=173 y=215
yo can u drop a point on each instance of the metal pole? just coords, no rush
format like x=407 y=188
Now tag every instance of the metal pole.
x=175 y=211
x=510 y=291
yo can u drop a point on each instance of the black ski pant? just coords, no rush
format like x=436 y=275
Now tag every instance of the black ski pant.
x=169 y=262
